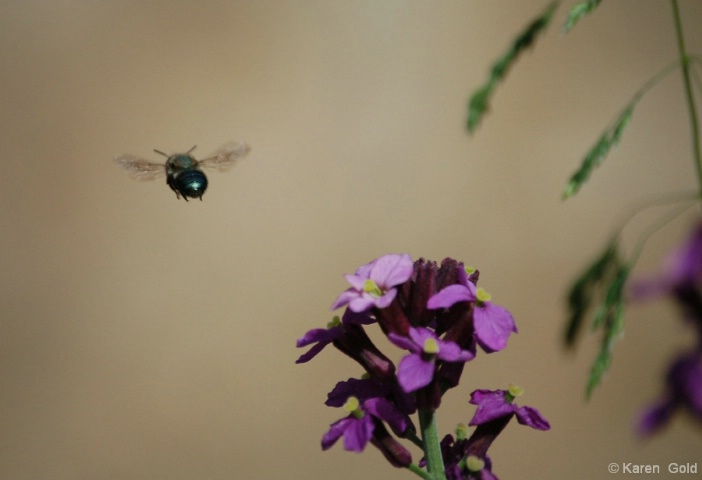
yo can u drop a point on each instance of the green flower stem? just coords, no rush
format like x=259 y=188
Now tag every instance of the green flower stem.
x=685 y=64
x=432 y=447
x=658 y=225
x=412 y=437
x=688 y=197
x=414 y=468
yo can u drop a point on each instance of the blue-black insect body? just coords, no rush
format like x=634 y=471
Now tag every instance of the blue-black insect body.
x=188 y=183
x=183 y=172
x=184 y=176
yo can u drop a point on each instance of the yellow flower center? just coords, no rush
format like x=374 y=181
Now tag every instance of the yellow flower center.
x=474 y=463
x=515 y=390
x=482 y=295
x=372 y=288
x=461 y=431
x=352 y=406
x=431 y=346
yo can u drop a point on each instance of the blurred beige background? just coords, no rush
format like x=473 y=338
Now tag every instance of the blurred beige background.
x=143 y=337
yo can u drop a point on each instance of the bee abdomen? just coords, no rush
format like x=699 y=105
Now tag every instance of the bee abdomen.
x=190 y=183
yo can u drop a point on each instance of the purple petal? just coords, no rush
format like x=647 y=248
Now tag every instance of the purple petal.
x=336 y=430
x=386 y=300
x=420 y=335
x=357 y=281
x=686 y=377
x=655 y=417
x=404 y=342
x=344 y=298
x=319 y=335
x=491 y=405
x=385 y=410
x=451 y=295
x=311 y=353
x=322 y=336
x=486 y=474
x=414 y=373
x=358 y=433
x=451 y=352
x=391 y=270
x=362 y=389
x=359 y=318
x=361 y=303
x=493 y=325
x=531 y=417
x=364 y=270
x=649 y=288
x=453 y=472
x=685 y=265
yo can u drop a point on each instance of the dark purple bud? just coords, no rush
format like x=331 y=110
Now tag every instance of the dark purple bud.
x=394 y=452
x=393 y=319
x=483 y=436
x=458 y=321
x=449 y=273
x=429 y=397
x=356 y=344
x=422 y=286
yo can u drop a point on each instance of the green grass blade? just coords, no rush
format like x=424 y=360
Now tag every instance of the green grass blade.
x=479 y=103
x=612 y=322
x=612 y=135
x=598 y=152
x=577 y=12
x=582 y=293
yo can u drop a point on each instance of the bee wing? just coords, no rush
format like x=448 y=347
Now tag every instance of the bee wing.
x=224 y=158
x=139 y=168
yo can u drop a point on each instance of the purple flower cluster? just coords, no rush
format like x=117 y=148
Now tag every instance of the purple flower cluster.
x=682 y=282
x=439 y=316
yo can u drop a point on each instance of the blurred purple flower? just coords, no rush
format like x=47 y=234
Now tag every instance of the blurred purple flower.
x=683 y=390
x=416 y=370
x=373 y=284
x=681 y=278
x=685 y=265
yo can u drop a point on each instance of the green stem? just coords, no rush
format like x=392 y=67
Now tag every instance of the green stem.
x=638 y=248
x=653 y=81
x=432 y=447
x=654 y=201
x=414 y=468
x=412 y=437
x=685 y=64
x=696 y=77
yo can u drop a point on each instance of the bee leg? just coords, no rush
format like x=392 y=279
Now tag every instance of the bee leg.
x=170 y=181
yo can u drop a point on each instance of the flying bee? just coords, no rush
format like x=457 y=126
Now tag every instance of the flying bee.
x=183 y=172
